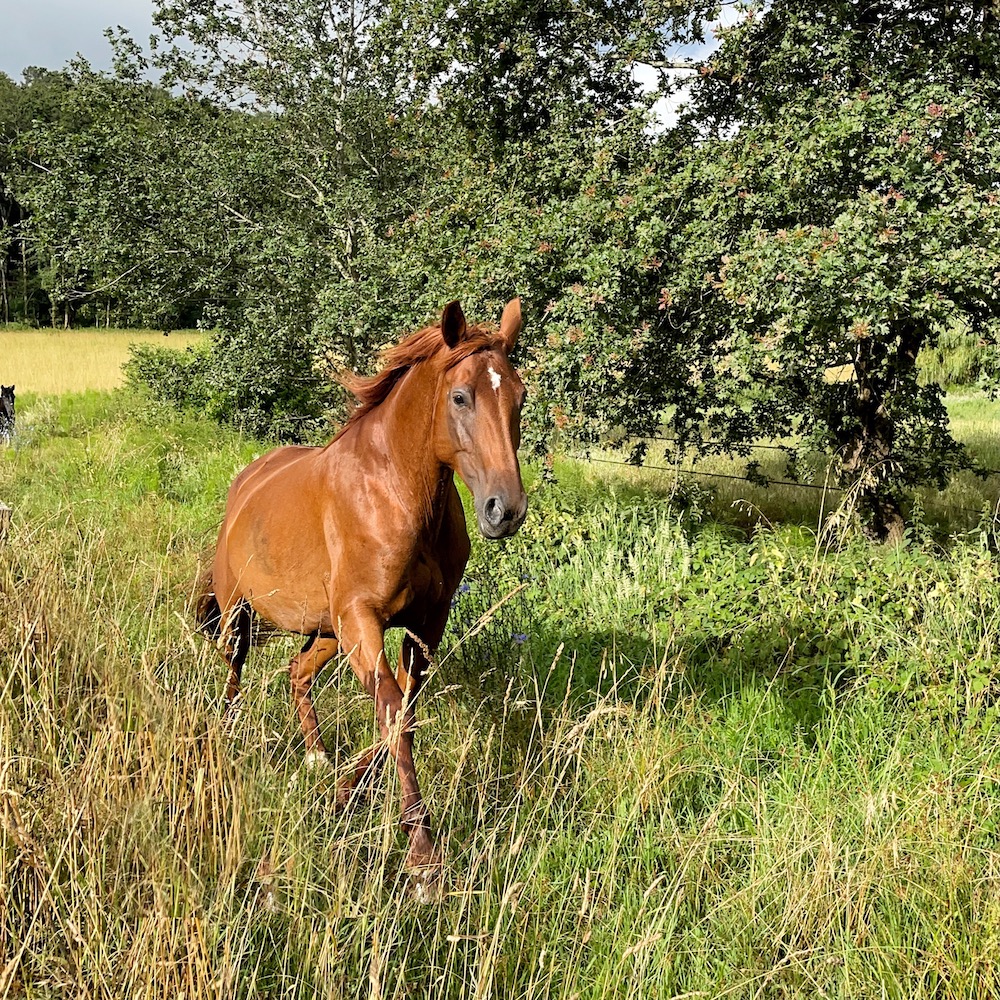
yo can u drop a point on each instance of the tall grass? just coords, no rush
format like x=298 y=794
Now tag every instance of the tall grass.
x=675 y=762
x=958 y=359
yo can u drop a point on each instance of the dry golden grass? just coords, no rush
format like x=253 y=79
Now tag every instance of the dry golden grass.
x=52 y=362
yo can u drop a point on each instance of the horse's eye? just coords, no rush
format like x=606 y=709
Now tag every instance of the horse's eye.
x=459 y=399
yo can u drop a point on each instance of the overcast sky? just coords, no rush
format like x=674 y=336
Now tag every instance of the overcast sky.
x=51 y=32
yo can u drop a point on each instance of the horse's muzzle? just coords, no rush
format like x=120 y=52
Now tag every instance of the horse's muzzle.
x=501 y=516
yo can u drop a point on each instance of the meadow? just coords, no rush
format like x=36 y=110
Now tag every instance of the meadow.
x=668 y=756
x=59 y=361
x=814 y=498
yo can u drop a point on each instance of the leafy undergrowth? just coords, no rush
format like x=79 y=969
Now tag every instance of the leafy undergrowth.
x=664 y=759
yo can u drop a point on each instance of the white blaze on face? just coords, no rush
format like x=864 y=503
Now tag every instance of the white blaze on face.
x=494 y=378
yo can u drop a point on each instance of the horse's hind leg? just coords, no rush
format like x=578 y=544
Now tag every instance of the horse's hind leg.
x=349 y=785
x=237 y=630
x=302 y=670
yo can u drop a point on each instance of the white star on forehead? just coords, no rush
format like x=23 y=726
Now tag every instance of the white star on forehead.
x=495 y=378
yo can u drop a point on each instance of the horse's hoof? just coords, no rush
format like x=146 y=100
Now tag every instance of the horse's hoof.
x=427 y=884
x=315 y=759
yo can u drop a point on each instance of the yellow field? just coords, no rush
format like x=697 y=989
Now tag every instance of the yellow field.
x=58 y=361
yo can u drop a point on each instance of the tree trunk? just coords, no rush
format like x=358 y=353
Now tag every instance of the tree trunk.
x=24 y=280
x=869 y=450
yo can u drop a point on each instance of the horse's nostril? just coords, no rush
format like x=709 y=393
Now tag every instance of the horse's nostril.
x=494 y=511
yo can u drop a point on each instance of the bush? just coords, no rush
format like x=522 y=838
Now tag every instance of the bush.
x=178 y=377
x=268 y=384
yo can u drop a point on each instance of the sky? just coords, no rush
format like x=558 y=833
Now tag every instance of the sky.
x=51 y=32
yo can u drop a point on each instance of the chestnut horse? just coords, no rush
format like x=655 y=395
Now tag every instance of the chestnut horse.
x=342 y=542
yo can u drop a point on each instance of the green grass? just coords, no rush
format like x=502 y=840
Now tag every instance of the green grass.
x=728 y=497
x=714 y=767
x=957 y=359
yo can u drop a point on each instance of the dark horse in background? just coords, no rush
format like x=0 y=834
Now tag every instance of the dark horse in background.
x=6 y=413
x=342 y=542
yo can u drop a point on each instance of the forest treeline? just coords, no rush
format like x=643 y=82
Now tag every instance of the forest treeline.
x=307 y=180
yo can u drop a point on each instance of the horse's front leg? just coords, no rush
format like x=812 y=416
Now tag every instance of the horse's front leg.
x=364 y=635
x=302 y=671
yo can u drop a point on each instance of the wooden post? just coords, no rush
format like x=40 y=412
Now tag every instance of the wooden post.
x=4 y=520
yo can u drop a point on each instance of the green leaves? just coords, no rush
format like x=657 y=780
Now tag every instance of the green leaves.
x=839 y=211
x=332 y=174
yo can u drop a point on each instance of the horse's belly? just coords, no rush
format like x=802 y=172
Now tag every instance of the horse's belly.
x=292 y=594
x=293 y=611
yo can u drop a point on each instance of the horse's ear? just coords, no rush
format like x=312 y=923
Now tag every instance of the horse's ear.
x=453 y=323
x=510 y=324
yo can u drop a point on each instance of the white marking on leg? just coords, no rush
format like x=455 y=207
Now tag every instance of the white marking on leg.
x=316 y=758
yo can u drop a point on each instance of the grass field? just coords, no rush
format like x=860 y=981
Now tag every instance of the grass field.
x=680 y=762
x=54 y=362
x=59 y=361
x=960 y=507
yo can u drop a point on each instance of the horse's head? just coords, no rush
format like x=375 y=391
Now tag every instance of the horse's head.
x=478 y=425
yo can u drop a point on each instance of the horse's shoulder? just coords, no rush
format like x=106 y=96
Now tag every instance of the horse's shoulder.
x=278 y=458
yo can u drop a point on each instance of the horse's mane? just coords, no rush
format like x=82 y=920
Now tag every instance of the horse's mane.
x=423 y=345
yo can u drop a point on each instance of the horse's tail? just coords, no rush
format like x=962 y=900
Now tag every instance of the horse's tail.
x=207 y=613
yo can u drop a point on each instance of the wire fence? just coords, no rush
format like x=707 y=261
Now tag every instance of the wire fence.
x=761 y=481
x=715 y=475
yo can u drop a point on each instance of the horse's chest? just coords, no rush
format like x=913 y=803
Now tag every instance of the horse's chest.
x=423 y=587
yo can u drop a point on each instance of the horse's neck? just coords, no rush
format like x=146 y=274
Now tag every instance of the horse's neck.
x=406 y=435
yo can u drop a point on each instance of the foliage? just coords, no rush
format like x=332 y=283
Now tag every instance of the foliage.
x=312 y=180
x=37 y=99
x=583 y=259
x=416 y=182
x=838 y=209
x=511 y=71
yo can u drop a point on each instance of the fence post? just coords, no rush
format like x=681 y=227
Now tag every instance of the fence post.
x=4 y=520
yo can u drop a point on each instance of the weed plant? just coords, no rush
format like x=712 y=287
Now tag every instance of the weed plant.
x=666 y=758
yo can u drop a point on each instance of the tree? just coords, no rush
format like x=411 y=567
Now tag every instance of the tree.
x=303 y=72
x=37 y=99
x=839 y=207
x=129 y=209
x=9 y=208
x=507 y=70
x=423 y=156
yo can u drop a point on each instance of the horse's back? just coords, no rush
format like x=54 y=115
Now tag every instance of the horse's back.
x=272 y=463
